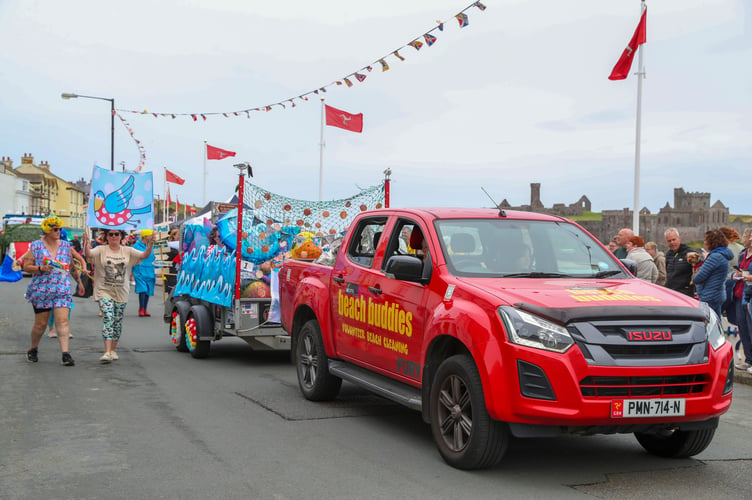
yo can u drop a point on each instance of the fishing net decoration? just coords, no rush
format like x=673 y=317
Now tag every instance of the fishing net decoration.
x=270 y=227
x=322 y=218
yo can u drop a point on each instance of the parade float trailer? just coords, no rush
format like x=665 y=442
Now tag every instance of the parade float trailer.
x=231 y=289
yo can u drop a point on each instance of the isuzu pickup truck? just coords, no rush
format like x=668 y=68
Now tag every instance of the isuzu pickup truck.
x=496 y=324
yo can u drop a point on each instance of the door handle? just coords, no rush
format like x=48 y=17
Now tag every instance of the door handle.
x=375 y=290
x=338 y=279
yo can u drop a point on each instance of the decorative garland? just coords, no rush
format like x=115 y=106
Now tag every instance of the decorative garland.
x=141 y=150
x=359 y=75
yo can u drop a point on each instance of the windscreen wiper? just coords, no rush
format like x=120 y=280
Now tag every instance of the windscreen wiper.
x=606 y=274
x=536 y=274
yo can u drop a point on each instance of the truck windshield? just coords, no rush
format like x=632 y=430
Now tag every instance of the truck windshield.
x=508 y=248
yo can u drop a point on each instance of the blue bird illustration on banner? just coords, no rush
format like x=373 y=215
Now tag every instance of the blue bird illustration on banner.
x=121 y=200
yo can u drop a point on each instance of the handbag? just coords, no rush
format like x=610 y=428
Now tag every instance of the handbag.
x=88 y=287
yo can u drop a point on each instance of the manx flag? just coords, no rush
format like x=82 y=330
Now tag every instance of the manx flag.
x=120 y=200
x=175 y=179
x=342 y=119
x=624 y=64
x=213 y=153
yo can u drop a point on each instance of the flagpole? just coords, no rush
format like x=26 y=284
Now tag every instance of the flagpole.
x=205 y=149
x=321 y=153
x=164 y=205
x=638 y=135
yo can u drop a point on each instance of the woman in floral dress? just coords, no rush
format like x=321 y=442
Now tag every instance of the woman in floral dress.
x=49 y=291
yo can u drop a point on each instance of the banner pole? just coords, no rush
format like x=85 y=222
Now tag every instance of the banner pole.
x=321 y=154
x=205 y=152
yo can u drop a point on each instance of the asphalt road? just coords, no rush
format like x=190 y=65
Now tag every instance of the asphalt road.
x=160 y=424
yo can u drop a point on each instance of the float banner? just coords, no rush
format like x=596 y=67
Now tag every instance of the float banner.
x=120 y=200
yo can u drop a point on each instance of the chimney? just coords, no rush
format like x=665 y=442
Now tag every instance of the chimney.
x=27 y=159
x=44 y=165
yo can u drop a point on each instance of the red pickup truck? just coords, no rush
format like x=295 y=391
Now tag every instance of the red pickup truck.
x=496 y=324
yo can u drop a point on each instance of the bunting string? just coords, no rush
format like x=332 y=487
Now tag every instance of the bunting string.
x=141 y=150
x=427 y=38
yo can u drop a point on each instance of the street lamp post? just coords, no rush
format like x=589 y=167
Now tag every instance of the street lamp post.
x=112 y=120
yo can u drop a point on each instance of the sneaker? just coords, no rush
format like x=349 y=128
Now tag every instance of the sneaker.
x=749 y=370
x=106 y=358
x=742 y=366
x=114 y=356
x=68 y=360
x=31 y=355
x=70 y=335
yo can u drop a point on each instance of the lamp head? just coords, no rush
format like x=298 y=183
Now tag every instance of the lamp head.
x=67 y=95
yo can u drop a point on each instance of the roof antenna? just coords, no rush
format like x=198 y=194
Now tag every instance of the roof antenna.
x=502 y=213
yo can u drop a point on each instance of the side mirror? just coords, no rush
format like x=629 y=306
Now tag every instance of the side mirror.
x=631 y=265
x=404 y=268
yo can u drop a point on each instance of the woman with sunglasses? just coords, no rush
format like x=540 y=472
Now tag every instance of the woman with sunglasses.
x=112 y=266
x=48 y=260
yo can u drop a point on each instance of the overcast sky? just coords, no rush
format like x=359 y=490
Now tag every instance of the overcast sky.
x=520 y=95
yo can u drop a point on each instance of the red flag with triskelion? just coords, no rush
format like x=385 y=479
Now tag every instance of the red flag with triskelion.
x=175 y=179
x=624 y=64
x=342 y=119
x=213 y=153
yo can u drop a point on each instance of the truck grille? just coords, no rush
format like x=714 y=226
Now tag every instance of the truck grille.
x=642 y=351
x=609 y=387
x=606 y=343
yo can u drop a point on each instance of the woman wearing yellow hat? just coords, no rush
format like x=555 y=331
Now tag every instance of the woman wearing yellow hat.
x=144 y=274
x=49 y=291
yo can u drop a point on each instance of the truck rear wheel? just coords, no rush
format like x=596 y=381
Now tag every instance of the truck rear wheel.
x=676 y=444
x=177 y=325
x=198 y=324
x=312 y=365
x=466 y=435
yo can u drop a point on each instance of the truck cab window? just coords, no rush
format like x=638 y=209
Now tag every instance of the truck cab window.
x=366 y=238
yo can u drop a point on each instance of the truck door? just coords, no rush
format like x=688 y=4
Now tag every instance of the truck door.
x=353 y=280
x=396 y=309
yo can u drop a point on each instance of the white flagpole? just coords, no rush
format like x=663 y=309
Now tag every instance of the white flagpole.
x=164 y=205
x=205 y=150
x=638 y=135
x=321 y=153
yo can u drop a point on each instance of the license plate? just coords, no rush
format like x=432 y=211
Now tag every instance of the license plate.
x=638 y=408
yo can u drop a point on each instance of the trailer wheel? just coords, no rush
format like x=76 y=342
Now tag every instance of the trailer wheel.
x=676 y=444
x=177 y=325
x=312 y=365
x=198 y=324
x=466 y=435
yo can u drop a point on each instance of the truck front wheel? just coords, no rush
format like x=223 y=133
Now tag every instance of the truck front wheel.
x=466 y=435
x=312 y=365
x=676 y=444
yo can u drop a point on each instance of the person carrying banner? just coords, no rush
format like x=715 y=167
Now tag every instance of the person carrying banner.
x=112 y=266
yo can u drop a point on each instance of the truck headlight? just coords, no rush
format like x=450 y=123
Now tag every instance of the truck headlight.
x=713 y=331
x=533 y=331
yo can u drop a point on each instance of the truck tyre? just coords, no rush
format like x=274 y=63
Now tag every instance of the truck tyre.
x=466 y=435
x=312 y=365
x=676 y=444
x=199 y=324
x=177 y=325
